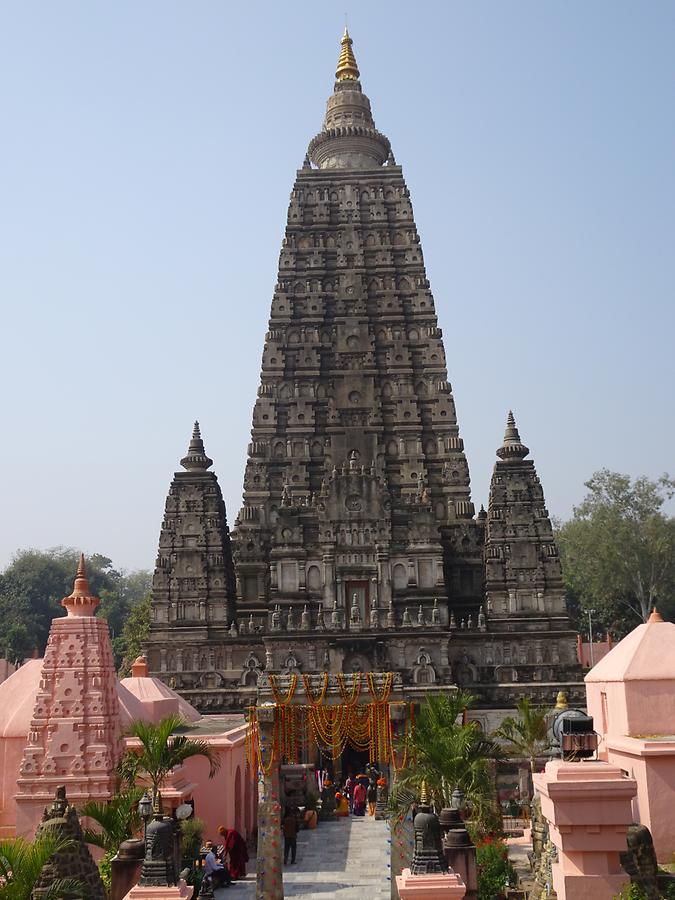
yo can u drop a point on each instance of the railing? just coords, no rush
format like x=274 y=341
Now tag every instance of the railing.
x=515 y=824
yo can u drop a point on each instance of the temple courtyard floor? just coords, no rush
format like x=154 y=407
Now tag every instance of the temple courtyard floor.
x=347 y=859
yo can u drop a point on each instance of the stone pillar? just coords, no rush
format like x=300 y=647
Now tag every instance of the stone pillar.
x=126 y=867
x=459 y=852
x=588 y=808
x=269 y=865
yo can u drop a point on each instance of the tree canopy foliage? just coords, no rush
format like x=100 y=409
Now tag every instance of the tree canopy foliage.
x=526 y=734
x=161 y=751
x=34 y=583
x=21 y=865
x=618 y=550
x=446 y=753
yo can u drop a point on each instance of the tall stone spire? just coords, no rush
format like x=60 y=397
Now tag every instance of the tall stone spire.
x=349 y=139
x=356 y=481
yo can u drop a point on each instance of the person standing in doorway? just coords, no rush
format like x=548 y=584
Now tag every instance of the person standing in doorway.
x=360 y=795
x=349 y=791
x=290 y=828
x=372 y=796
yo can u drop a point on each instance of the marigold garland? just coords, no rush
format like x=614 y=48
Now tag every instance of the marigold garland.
x=386 y=688
x=367 y=726
x=308 y=689
x=291 y=689
x=355 y=690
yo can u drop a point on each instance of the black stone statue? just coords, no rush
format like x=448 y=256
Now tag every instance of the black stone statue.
x=428 y=858
x=158 y=865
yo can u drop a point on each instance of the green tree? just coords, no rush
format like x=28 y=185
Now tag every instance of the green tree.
x=618 y=550
x=22 y=862
x=117 y=820
x=446 y=754
x=526 y=734
x=129 y=644
x=161 y=751
x=34 y=583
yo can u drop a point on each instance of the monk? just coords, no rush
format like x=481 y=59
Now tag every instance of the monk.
x=234 y=846
x=341 y=805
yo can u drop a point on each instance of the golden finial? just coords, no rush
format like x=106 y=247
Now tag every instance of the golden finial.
x=347 y=70
x=424 y=800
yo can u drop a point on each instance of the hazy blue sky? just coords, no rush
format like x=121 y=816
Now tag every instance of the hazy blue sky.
x=148 y=151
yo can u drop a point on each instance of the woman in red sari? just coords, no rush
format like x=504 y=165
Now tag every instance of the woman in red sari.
x=234 y=847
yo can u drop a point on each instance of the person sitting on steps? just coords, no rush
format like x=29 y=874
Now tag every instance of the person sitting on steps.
x=219 y=875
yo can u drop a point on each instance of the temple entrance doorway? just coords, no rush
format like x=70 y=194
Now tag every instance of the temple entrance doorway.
x=353 y=762
x=351 y=719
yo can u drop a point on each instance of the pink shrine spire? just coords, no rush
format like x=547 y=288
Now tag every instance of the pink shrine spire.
x=75 y=732
x=81 y=602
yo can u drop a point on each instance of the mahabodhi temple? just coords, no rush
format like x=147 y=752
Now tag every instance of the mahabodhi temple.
x=358 y=548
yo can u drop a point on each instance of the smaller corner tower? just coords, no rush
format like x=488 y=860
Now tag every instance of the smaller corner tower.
x=193 y=585
x=523 y=571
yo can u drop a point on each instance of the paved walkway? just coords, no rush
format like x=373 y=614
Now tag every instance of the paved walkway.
x=347 y=859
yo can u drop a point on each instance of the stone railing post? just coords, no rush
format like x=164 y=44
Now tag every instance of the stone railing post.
x=269 y=867
x=588 y=808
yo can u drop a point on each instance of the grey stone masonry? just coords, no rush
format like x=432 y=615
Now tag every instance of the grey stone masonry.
x=357 y=546
x=193 y=582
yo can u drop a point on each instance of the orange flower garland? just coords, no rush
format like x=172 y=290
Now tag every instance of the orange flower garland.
x=366 y=726
x=291 y=689
x=386 y=688
x=308 y=689
x=356 y=688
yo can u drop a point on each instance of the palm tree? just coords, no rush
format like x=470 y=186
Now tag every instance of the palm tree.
x=161 y=751
x=527 y=734
x=446 y=753
x=118 y=819
x=22 y=862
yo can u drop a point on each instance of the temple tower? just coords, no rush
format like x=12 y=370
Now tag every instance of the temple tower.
x=357 y=547
x=193 y=582
x=523 y=574
x=356 y=481
x=75 y=736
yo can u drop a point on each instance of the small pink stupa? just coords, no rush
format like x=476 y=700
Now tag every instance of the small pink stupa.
x=75 y=735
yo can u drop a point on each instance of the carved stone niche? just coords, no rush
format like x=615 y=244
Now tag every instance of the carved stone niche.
x=290 y=665
x=251 y=672
x=423 y=672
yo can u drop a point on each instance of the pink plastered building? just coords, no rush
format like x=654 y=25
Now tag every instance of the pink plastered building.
x=63 y=719
x=631 y=696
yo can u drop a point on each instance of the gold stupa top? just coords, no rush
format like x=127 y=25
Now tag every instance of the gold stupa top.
x=347 y=70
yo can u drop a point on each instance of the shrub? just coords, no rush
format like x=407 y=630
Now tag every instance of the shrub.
x=192 y=833
x=495 y=872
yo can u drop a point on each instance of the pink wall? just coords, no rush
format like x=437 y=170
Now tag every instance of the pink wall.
x=11 y=754
x=226 y=799
x=631 y=696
